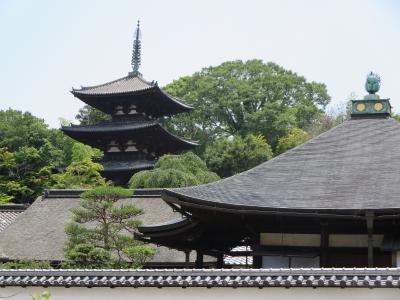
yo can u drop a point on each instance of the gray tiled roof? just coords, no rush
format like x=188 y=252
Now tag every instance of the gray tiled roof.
x=354 y=166
x=123 y=85
x=260 y=278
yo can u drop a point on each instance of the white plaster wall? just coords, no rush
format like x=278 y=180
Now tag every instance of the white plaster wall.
x=314 y=240
x=397 y=258
x=17 y=293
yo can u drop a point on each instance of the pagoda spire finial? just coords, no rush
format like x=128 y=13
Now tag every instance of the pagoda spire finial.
x=136 y=53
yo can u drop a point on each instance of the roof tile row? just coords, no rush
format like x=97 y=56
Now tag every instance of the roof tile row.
x=370 y=278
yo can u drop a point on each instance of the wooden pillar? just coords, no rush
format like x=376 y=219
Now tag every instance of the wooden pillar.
x=324 y=258
x=369 y=215
x=257 y=259
x=220 y=261
x=187 y=259
x=199 y=260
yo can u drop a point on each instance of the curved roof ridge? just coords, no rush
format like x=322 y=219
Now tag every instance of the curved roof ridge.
x=98 y=85
x=145 y=85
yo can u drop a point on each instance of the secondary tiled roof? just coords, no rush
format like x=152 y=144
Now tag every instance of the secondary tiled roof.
x=8 y=214
x=354 y=166
x=39 y=233
x=260 y=278
x=123 y=85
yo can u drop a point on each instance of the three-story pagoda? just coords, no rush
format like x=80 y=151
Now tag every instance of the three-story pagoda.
x=134 y=139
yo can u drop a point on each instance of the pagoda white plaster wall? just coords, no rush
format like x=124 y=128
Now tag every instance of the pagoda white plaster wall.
x=61 y=293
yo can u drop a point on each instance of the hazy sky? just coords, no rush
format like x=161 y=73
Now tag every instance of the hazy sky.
x=47 y=47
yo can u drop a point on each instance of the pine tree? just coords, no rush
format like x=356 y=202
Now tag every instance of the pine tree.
x=102 y=233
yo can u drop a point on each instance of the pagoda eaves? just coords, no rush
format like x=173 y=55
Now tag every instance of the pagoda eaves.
x=145 y=134
x=131 y=90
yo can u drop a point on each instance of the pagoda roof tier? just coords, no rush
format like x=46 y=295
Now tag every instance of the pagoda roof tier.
x=350 y=169
x=147 y=134
x=147 y=97
x=129 y=165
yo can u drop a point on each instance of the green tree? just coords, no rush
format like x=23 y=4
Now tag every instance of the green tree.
x=88 y=115
x=241 y=98
x=86 y=256
x=29 y=152
x=82 y=172
x=228 y=156
x=295 y=137
x=23 y=174
x=107 y=240
x=81 y=152
x=174 y=171
x=22 y=129
x=79 y=174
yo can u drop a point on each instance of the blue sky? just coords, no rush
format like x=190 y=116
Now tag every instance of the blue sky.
x=47 y=47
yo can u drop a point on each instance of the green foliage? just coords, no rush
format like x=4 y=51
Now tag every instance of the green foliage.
x=86 y=256
x=228 y=156
x=88 y=115
x=108 y=193
x=43 y=296
x=5 y=199
x=241 y=98
x=107 y=240
x=26 y=264
x=29 y=151
x=295 y=137
x=79 y=174
x=174 y=171
x=21 y=129
x=82 y=171
x=22 y=174
x=81 y=152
